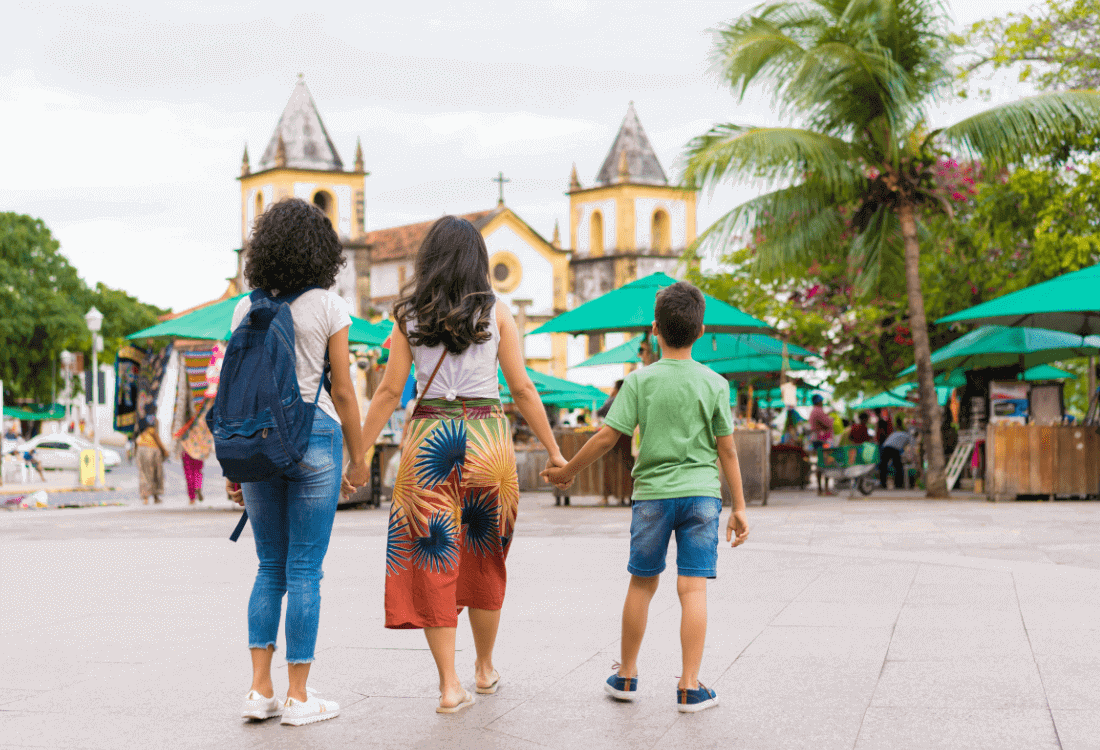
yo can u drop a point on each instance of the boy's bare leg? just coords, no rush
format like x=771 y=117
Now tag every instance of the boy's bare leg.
x=693 y=627
x=484 y=623
x=635 y=614
x=442 y=643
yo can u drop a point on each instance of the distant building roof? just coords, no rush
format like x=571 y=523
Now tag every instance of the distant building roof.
x=399 y=243
x=304 y=136
x=641 y=160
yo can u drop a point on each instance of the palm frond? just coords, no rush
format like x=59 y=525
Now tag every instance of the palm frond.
x=785 y=225
x=775 y=155
x=1029 y=127
x=877 y=251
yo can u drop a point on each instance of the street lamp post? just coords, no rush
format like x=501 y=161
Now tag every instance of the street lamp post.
x=94 y=319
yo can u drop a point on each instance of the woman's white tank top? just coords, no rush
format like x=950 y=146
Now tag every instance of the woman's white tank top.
x=472 y=374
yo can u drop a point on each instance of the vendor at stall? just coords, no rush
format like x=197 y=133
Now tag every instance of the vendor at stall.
x=892 y=448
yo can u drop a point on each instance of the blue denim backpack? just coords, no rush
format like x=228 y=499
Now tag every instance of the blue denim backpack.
x=260 y=422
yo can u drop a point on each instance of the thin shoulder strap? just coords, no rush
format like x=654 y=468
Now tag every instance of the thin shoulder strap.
x=428 y=385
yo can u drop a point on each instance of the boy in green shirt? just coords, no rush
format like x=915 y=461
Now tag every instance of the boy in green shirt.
x=682 y=409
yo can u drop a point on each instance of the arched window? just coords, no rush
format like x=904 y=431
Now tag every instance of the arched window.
x=662 y=239
x=596 y=234
x=259 y=204
x=323 y=200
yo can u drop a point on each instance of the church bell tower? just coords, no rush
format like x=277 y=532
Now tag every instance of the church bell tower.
x=301 y=161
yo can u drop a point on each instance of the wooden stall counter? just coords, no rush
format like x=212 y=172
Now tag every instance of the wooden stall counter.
x=1051 y=460
x=608 y=477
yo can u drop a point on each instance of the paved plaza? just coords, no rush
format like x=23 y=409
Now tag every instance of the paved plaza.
x=892 y=622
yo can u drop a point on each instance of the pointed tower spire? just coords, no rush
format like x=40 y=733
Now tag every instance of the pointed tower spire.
x=246 y=168
x=574 y=181
x=555 y=241
x=280 y=151
x=306 y=144
x=631 y=143
x=624 y=167
x=359 y=165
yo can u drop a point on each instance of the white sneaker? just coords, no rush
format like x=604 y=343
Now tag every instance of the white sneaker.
x=296 y=713
x=258 y=707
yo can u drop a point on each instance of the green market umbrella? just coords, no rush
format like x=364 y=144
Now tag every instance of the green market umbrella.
x=710 y=347
x=747 y=367
x=1002 y=346
x=556 y=391
x=884 y=400
x=630 y=308
x=213 y=323
x=1067 y=303
x=1046 y=372
x=943 y=392
x=621 y=354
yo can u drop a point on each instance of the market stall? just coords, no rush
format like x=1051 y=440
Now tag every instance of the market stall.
x=1013 y=434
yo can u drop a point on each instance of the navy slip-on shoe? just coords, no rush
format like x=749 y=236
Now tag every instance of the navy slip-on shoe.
x=690 y=701
x=622 y=688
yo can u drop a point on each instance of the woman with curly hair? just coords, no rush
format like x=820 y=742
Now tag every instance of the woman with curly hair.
x=456 y=494
x=294 y=248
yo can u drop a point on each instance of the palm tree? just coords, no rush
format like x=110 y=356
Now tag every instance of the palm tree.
x=857 y=75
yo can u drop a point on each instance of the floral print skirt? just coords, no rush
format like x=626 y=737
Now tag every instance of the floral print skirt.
x=454 y=509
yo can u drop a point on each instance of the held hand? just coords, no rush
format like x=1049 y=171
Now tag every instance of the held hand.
x=737 y=528
x=234 y=492
x=555 y=474
x=355 y=476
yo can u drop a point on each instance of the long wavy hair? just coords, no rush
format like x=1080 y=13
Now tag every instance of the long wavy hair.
x=449 y=296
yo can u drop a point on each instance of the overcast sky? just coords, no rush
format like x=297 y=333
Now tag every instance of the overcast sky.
x=125 y=122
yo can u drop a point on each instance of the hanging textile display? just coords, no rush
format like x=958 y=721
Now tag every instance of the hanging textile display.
x=196 y=364
x=127 y=366
x=149 y=379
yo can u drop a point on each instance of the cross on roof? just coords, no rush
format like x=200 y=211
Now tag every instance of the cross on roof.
x=500 y=179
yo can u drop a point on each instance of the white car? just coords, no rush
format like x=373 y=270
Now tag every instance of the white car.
x=62 y=451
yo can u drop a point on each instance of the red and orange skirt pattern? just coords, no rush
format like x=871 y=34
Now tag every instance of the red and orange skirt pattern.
x=454 y=510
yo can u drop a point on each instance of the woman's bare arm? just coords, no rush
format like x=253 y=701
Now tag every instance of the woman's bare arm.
x=523 y=390
x=347 y=406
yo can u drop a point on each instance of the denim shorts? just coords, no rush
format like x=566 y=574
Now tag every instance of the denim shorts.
x=695 y=522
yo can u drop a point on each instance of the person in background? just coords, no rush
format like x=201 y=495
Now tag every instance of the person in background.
x=150 y=454
x=882 y=427
x=602 y=411
x=30 y=458
x=790 y=431
x=845 y=432
x=859 y=433
x=821 y=431
x=892 y=448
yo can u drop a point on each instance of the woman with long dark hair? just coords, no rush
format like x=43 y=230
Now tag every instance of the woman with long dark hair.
x=456 y=494
x=295 y=248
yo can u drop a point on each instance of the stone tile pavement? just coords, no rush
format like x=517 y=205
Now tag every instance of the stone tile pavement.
x=889 y=623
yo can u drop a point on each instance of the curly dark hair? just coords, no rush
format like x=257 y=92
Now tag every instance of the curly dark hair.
x=293 y=246
x=449 y=295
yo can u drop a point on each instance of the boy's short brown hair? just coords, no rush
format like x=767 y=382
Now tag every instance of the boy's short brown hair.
x=679 y=314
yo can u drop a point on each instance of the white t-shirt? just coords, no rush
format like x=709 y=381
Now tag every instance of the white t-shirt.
x=318 y=314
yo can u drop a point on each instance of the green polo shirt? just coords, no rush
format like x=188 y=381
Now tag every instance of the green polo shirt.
x=681 y=408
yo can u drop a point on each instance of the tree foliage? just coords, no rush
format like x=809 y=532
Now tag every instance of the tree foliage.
x=1056 y=47
x=44 y=301
x=862 y=172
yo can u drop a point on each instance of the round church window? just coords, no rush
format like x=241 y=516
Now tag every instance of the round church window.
x=506 y=271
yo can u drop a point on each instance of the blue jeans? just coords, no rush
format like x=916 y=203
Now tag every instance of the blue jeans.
x=292 y=518
x=694 y=521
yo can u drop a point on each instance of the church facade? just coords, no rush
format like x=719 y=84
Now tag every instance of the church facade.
x=630 y=222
